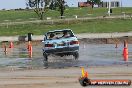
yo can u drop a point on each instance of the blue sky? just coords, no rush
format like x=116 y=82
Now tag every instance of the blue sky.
x=12 y=4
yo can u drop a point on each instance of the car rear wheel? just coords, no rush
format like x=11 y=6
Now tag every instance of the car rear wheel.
x=45 y=56
x=76 y=55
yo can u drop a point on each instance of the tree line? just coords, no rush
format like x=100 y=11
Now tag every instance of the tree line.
x=41 y=6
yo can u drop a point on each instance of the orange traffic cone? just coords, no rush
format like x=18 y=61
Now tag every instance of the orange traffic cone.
x=30 y=51
x=86 y=74
x=125 y=54
x=125 y=51
x=11 y=45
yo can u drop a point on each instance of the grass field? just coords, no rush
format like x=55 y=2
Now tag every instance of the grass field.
x=69 y=13
x=92 y=26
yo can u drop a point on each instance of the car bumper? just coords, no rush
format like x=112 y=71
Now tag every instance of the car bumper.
x=62 y=50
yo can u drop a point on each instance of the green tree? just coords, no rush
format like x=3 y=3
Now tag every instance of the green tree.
x=61 y=7
x=58 y=5
x=39 y=6
x=53 y=5
x=97 y=1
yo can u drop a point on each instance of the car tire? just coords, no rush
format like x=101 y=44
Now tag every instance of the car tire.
x=76 y=55
x=45 y=56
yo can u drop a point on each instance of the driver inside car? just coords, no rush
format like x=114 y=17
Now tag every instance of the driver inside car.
x=65 y=34
x=51 y=36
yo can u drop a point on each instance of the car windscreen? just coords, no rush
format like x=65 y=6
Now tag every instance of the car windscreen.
x=59 y=34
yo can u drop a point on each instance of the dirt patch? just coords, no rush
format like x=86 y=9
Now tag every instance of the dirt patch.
x=82 y=41
x=61 y=78
x=106 y=40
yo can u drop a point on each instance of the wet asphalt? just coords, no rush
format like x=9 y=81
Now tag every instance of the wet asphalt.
x=89 y=55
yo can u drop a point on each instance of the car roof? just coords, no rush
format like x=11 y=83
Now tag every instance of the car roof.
x=59 y=30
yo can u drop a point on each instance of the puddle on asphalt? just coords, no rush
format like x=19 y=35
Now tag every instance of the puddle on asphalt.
x=90 y=55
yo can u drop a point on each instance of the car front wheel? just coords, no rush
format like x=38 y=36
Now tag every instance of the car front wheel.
x=76 y=55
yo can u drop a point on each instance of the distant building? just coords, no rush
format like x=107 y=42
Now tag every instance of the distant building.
x=117 y=3
x=104 y=3
x=114 y=3
x=84 y=4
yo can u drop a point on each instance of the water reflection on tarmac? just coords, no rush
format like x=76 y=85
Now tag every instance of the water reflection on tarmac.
x=90 y=55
